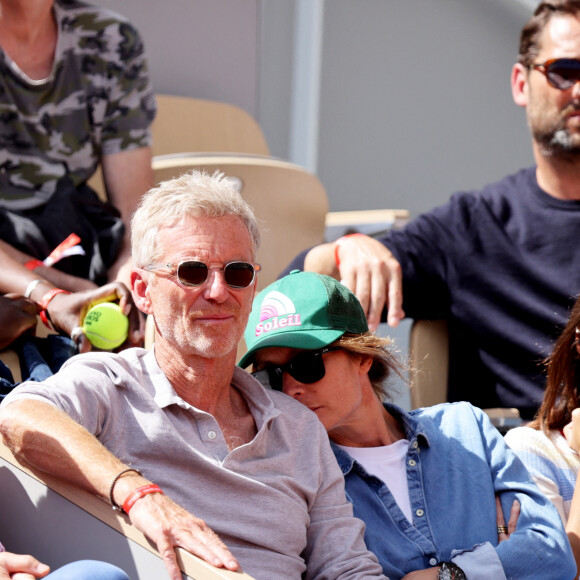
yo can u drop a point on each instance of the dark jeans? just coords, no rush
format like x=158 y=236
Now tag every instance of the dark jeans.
x=39 y=359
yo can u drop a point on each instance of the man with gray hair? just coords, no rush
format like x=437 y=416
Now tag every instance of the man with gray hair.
x=180 y=430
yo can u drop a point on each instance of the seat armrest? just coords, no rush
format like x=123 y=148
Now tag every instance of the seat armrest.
x=34 y=505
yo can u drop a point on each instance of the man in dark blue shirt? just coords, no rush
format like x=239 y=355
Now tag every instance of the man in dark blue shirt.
x=501 y=265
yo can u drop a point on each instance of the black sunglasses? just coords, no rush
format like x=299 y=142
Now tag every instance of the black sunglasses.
x=561 y=73
x=306 y=367
x=196 y=273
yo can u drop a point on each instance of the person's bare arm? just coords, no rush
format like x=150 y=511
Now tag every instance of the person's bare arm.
x=66 y=311
x=127 y=176
x=47 y=439
x=15 y=276
x=369 y=270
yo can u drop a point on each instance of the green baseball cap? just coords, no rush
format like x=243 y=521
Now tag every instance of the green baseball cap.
x=302 y=310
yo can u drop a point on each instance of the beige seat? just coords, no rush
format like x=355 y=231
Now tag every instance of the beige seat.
x=428 y=362
x=428 y=372
x=58 y=524
x=188 y=125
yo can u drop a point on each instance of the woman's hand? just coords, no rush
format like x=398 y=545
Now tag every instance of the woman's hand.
x=433 y=573
x=504 y=532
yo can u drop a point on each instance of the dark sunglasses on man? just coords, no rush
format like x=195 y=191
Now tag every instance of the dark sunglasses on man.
x=306 y=367
x=194 y=273
x=561 y=73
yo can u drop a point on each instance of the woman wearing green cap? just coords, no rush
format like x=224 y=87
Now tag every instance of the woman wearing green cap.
x=424 y=482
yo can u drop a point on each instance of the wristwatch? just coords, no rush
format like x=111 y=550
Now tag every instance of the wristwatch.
x=450 y=571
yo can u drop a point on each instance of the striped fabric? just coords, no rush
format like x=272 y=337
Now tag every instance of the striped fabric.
x=550 y=461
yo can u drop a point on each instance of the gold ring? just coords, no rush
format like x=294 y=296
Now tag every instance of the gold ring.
x=502 y=530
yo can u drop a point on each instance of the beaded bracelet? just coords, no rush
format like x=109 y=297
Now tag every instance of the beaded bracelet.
x=115 y=479
x=339 y=242
x=138 y=494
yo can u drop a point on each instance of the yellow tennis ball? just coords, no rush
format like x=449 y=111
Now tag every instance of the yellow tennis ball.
x=106 y=326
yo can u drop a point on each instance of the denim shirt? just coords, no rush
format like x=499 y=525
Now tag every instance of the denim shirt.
x=456 y=464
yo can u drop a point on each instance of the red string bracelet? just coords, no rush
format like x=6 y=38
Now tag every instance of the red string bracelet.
x=45 y=301
x=339 y=242
x=138 y=494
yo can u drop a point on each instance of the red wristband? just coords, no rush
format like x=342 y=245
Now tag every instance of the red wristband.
x=339 y=242
x=32 y=264
x=45 y=301
x=138 y=494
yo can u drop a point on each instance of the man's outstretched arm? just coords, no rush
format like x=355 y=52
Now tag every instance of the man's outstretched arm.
x=47 y=439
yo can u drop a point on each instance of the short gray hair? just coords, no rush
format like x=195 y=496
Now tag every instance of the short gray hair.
x=193 y=194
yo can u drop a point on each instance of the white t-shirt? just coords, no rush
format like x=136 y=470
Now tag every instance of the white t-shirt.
x=388 y=464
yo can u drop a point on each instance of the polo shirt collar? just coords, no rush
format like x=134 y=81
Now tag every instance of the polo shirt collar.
x=258 y=397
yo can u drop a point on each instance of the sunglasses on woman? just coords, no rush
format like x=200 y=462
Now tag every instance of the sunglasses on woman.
x=561 y=73
x=195 y=273
x=306 y=367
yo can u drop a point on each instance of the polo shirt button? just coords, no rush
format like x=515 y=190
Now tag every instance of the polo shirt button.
x=433 y=561
x=212 y=434
x=412 y=462
x=419 y=512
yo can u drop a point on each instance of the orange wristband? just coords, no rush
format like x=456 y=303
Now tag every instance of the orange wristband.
x=339 y=242
x=138 y=494
x=45 y=301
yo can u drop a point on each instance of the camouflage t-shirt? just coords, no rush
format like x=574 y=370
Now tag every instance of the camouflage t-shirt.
x=98 y=100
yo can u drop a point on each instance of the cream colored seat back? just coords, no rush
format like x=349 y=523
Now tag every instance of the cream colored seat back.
x=428 y=362
x=429 y=371
x=187 y=125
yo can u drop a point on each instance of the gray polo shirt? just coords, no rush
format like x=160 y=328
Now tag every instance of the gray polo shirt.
x=277 y=502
